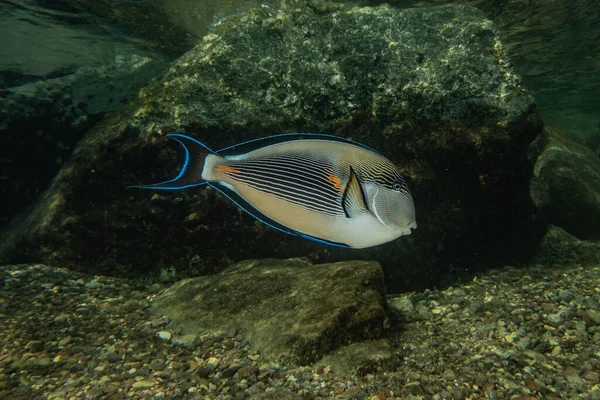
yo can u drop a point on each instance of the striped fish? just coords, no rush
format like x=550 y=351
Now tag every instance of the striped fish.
x=321 y=187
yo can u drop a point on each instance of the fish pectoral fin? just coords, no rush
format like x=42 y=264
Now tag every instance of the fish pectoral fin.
x=353 y=200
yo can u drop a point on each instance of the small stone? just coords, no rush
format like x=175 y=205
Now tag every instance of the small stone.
x=415 y=388
x=213 y=361
x=593 y=316
x=404 y=307
x=246 y=372
x=566 y=295
x=188 y=341
x=157 y=365
x=422 y=311
x=77 y=368
x=437 y=310
x=35 y=345
x=113 y=357
x=232 y=369
x=60 y=319
x=164 y=335
x=142 y=384
x=475 y=307
x=40 y=363
x=556 y=318
x=142 y=356
x=204 y=372
x=93 y=284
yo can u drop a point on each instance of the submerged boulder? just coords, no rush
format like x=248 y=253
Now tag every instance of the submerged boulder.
x=431 y=88
x=290 y=310
x=566 y=183
x=561 y=248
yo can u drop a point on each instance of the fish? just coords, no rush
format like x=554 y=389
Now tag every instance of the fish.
x=325 y=188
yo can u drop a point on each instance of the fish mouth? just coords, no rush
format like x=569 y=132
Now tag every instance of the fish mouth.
x=409 y=228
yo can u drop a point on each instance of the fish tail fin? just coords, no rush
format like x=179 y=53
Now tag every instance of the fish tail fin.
x=191 y=171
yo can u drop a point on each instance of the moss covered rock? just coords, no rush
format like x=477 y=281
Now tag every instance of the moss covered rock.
x=290 y=310
x=566 y=183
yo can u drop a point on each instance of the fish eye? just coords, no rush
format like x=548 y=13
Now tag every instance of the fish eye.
x=397 y=186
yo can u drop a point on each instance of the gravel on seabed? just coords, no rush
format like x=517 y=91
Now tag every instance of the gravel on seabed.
x=510 y=333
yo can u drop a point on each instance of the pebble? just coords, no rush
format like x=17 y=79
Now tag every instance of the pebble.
x=189 y=341
x=93 y=284
x=593 y=316
x=556 y=318
x=403 y=306
x=142 y=384
x=213 y=362
x=113 y=358
x=566 y=295
x=98 y=341
x=35 y=345
x=60 y=319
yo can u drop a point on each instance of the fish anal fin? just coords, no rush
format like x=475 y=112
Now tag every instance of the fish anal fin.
x=353 y=200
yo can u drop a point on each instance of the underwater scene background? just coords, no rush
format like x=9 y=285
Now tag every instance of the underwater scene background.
x=488 y=109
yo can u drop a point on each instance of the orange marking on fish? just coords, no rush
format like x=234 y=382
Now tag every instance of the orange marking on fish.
x=334 y=180
x=225 y=168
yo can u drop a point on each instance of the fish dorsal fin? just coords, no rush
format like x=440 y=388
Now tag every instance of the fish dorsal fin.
x=353 y=200
x=255 y=144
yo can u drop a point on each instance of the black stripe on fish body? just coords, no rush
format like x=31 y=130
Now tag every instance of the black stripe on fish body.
x=290 y=179
x=385 y=175
x=297 y=198
x=300 y=196
x=255 y=144
x=301 y=176
x=312 y=181
x=301 y=171
x=265 y=219
x=354 y=200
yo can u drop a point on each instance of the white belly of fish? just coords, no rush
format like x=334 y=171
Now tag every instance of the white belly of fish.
x=358 y=232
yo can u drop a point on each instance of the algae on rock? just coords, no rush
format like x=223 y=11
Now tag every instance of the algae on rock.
x=290 y=310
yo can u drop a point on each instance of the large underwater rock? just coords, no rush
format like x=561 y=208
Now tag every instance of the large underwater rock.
x=561 y=248
x=290 y=310
x=431 y=88
x=566 y=183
